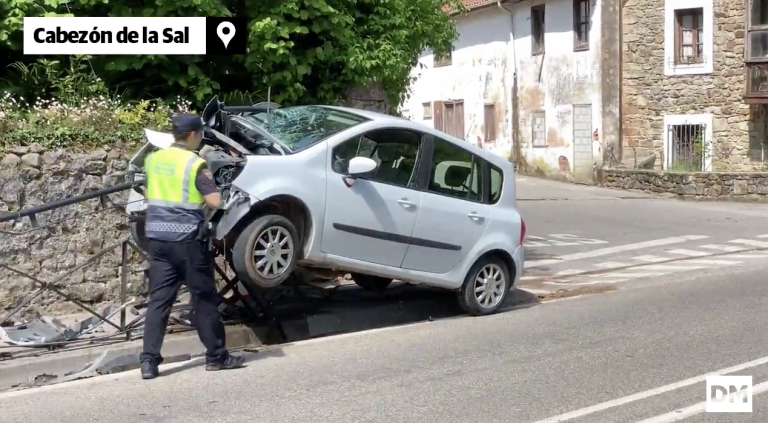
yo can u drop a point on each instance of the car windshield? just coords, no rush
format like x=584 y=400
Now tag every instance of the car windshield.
x=300 y=127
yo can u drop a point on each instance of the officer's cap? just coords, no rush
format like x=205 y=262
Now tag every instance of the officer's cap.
x=184 y=123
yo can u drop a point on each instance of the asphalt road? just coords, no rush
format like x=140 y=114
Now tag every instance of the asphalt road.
x=525 y=365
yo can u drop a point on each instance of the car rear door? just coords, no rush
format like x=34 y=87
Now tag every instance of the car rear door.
x=453 y=216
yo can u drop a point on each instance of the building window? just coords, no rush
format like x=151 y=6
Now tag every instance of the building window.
x=581 y=24
x=689 y=36
x=538 y=129
x=687 y=144
x=489 y=122
x=445 y=60
x=427 y=110
x=688 y=43
x=453 y=118
x=537 y=30
x=757 y=52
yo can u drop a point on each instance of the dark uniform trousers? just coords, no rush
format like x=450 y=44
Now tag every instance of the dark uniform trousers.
x=191 y=263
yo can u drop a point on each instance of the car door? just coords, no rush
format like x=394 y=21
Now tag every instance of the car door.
x=453 y=216
x=372 y=220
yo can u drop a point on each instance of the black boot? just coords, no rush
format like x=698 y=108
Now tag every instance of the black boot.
x=232 y=362
x=149 y=370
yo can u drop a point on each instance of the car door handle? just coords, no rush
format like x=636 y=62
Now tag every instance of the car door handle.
x=405 y=203
x=476 y=217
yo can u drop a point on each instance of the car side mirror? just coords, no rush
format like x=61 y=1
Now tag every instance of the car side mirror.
x=361 y=166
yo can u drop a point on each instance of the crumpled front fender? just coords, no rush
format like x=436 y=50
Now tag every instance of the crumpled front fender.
x=236 y=208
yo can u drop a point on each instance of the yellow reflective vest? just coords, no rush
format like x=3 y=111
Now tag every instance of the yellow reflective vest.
x=174 y=205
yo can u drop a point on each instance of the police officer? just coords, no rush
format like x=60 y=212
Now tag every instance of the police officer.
x=178 y=187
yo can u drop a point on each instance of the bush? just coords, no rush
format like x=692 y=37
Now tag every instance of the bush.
x=81 y=125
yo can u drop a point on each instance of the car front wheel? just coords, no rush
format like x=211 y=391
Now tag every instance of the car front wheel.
x=485 y=288
x=265 y=252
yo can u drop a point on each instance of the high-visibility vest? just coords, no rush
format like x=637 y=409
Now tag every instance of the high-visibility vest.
x=174 y=205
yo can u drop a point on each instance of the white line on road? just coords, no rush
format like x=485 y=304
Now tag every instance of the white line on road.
x=748 y=256
x=684 y=413
x=650 y=259
x=752 y=242
x=611 y=265
x=689 y=253
x=669 y=267
x=714 y=262
x=727 y=248
x=650 y=393
x=617 y=249
x=634 y=275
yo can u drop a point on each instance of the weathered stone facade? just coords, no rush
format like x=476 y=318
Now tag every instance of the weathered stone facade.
x=738 y=129
x=29 y=177
x=723 y=186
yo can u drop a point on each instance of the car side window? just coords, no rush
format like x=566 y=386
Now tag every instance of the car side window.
x=496 y=181
x=394 y=150
x=455 y=172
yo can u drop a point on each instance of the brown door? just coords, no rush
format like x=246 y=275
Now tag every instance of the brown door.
x=453 y=118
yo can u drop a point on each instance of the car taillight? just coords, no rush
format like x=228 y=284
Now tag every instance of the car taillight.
x=522 y=230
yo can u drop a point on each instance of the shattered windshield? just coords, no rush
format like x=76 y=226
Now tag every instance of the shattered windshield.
x=300 y=127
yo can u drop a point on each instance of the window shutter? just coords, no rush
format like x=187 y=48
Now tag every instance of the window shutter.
x=437 y=114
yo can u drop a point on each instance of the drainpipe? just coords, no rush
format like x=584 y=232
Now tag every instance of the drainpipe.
x=515 y=153
x=621 y=81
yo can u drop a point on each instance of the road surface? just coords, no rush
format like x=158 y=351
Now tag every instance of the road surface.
x=584 y=236
x=582 y=356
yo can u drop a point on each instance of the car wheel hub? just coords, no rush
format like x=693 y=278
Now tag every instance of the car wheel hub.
x=489 y=286
x=273 y=252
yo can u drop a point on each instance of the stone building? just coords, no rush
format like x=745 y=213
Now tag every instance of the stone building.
x=690 y=94
x=527 y=79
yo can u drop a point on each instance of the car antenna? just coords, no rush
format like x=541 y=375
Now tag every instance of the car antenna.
x=269 y=109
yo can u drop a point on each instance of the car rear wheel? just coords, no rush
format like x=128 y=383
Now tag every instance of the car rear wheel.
x=370 y=282
x=265 y=252
x=486 y=287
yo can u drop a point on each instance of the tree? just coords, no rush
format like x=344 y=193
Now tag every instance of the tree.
x=308 y=51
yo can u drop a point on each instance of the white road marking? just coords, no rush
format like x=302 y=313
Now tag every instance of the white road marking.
x=600 y=282
x=689 y=253
x=650 y=259
x=713 y=262
x=650 y=393
x=762 y=236
x=684 y=413
x=666 y=267
x=727 y=248
x=611 y=265
x=569 y=272
x=637 y=274
x=617 y=249
x=530 y=278
x=751 y=242
x=748 y=256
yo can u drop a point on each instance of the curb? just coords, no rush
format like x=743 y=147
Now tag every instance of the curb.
x=337 y=318
x=86 y=362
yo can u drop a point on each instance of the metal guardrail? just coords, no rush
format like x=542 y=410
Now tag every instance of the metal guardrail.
x=53 y=286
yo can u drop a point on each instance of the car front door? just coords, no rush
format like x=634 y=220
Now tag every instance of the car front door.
x=453 y=215
x=372 y=219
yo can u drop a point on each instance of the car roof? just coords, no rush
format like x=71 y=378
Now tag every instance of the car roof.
x=495 y=159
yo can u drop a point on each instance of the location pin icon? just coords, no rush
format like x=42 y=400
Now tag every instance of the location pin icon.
x=225 y=31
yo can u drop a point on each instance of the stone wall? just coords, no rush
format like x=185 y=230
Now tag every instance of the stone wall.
x=727 y=186
x=648 y=94
x=30 y=176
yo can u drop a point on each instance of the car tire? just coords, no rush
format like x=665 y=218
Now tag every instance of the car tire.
x=253 y=242
x=370 y=282
x=492 y=270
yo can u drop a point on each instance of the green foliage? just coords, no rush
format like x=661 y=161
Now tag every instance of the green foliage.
x=98 y=122
x=308 y=51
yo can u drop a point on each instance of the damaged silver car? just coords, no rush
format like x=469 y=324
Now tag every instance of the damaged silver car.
x=353 y=191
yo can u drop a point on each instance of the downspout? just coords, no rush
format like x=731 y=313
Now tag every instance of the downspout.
x=621 y=82
x=515 y=154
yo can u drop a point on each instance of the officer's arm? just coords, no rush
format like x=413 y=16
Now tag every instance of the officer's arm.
x=206 y=186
